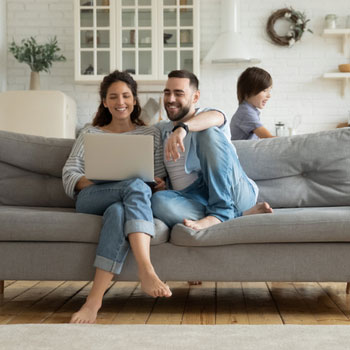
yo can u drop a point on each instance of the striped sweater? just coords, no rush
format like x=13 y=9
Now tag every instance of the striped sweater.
x=74 y=169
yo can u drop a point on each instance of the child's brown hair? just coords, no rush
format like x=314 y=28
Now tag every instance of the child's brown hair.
x=252 y=81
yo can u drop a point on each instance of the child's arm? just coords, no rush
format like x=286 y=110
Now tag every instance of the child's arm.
x=262 y=132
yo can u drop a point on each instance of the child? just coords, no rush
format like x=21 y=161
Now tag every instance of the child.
x=253 y=91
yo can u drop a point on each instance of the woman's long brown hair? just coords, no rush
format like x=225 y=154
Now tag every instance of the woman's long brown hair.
x=103 y=115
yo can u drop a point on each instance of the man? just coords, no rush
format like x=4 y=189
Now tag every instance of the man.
x=208 y=183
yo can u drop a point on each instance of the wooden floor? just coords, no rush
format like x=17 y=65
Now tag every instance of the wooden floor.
x=210 y=303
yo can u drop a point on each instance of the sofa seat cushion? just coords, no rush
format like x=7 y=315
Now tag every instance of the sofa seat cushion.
x=35 y=224
x=327 y=224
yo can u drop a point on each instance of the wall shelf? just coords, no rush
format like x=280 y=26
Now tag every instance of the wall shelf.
x=344 y=33
x=345 y=77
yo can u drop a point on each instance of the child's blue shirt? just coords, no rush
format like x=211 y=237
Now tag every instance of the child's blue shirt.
x=244 y=122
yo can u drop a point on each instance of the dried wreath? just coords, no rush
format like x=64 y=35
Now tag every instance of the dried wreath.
x=298 y=22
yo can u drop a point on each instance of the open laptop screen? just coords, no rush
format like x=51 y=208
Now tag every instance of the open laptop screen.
x=117 y=157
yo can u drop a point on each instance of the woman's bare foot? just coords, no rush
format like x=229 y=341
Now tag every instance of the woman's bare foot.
x=202 y=223
x=152 y=285
x=87 y=313
x=259 y=208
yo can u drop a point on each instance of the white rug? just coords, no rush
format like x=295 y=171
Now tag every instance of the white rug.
x=110 y=337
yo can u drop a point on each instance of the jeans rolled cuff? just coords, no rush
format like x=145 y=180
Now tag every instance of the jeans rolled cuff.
x=108 y=265
x=132 y=226
x=225 y=215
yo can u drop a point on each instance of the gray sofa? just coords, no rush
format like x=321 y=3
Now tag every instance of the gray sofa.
x=306 y=178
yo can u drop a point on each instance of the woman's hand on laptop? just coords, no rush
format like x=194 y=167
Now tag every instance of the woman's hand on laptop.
x=160 y=186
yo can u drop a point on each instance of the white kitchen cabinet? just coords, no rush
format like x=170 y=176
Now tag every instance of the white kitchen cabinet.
x=148 y=38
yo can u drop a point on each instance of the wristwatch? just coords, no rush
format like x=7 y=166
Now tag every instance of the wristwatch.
x=181 y=125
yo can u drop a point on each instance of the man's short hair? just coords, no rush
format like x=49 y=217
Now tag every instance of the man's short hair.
x=251 y=82
x=182 y=73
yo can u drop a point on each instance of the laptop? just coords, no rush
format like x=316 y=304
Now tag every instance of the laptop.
x=115 y=157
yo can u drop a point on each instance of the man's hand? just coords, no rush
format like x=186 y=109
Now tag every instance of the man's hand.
x=160 y=186
x=174 y=143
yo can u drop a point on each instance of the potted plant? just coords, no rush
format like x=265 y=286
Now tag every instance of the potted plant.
x=38 y=57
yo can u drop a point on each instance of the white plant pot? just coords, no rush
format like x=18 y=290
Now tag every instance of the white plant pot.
x=34 y=81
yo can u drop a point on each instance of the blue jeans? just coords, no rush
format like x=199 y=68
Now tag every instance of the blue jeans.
x=126 y=208
x=222 y=189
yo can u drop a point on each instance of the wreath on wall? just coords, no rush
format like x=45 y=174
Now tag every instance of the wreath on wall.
x=296 y=30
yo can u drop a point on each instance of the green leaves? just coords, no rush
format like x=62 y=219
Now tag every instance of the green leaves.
x=38 y=57
x=299 y=21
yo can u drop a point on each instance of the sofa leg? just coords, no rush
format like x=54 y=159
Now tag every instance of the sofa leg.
x=348 y=288
x=2 y=287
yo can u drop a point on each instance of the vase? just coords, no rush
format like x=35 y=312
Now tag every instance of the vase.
x=34 y=81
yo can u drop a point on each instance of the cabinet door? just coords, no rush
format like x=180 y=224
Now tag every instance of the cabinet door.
x=94 y=47
x=179 y=42
x=147 y=38
x=136 y=38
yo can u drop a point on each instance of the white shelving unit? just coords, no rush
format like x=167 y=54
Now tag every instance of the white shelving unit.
x=343 y=33
x=147 y=38
x=345 y=77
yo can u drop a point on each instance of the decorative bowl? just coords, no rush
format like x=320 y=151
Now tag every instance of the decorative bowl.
x=344 y=67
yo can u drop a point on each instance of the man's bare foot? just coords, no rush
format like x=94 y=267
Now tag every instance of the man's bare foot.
x=259 y=208
x=194 y=283
x=202 y=223
x=152 y=285
x=87 y=313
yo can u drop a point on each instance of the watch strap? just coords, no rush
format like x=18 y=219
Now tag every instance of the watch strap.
x=181 y=125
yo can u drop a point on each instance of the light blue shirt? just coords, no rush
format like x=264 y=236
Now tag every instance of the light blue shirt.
x=191 y=160
x=244 y=122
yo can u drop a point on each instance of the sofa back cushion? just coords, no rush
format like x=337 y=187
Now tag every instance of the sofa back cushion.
x=300 y=171
x=31 y=170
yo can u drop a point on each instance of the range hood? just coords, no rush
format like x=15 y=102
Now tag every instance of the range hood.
x=230 y=46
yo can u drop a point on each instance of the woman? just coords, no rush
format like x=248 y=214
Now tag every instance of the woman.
x=125 y=205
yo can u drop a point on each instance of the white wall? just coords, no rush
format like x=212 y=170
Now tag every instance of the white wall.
x=297 y=72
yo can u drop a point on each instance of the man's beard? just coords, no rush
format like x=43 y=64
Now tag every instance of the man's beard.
x=182 y=113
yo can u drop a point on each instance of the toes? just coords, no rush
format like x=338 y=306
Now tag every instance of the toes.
x=164 y=291
x=189 y=223
x=154 y=287
x=267 y=207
